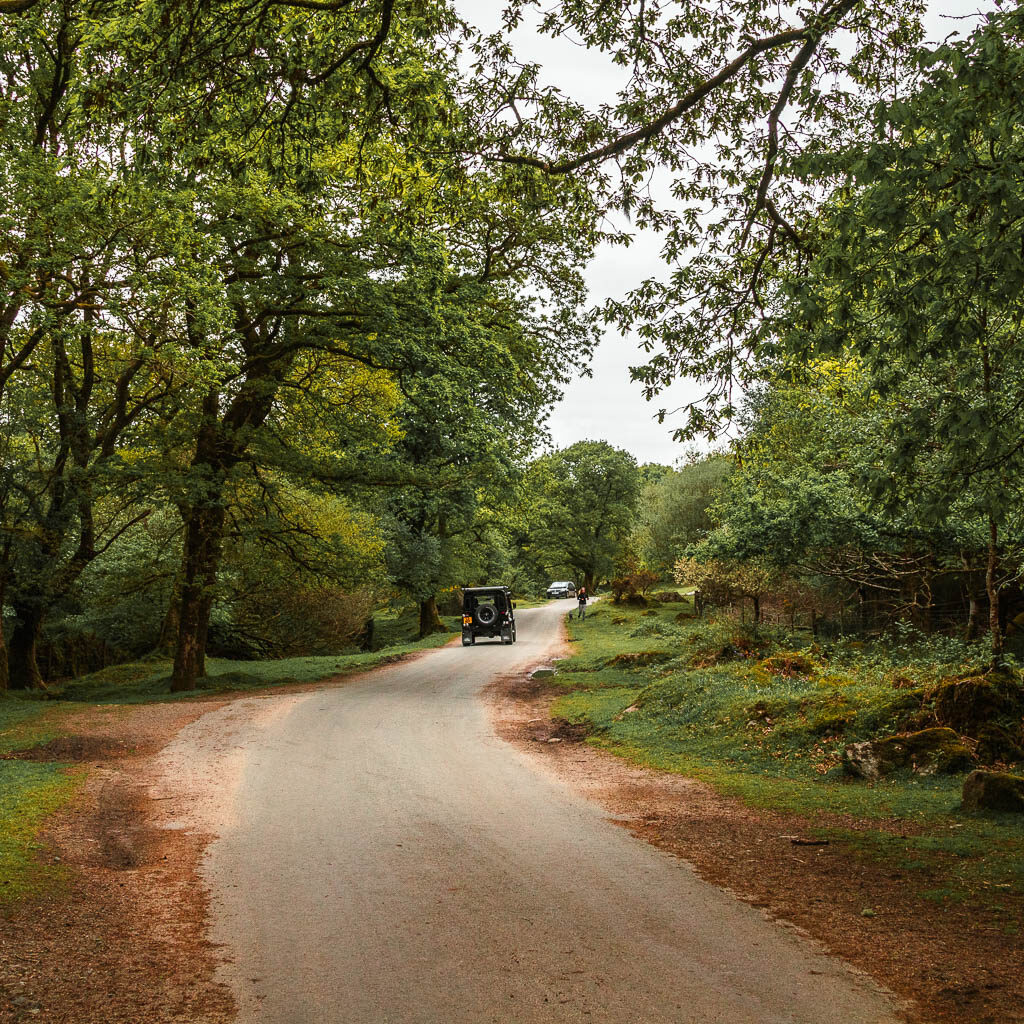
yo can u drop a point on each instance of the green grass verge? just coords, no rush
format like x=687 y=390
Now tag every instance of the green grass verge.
x=139 y=682
x=711 y=701
x=24 y=723
x=29 y=792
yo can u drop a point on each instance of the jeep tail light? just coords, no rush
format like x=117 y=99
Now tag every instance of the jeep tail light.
x=467 y=620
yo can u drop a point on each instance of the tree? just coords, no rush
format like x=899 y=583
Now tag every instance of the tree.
x=361 y=251
x=243 y=202
x=465 y=429
x=721 y=582
x=93 y=267
x=734 y=102
x=919 y=271
x=674 y=510
x=581 y=505
x=101 y=370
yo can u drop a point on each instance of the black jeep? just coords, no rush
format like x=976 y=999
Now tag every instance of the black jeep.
x=488 y=611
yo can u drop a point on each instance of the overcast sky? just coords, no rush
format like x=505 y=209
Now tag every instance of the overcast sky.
x=609 y=406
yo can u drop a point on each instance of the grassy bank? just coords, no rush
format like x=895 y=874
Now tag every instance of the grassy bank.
x=149 y=679
x=767 y=723
x=30 y=791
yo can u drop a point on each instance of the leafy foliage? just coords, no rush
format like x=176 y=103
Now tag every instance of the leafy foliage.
x=581 y=502
x=251 y=259
x=674 y=511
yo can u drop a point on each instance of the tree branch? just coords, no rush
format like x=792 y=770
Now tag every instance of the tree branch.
x=688 y=102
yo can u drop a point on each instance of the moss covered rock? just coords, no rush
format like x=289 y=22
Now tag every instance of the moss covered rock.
x=999 y=745
x=993 y=791
x=971 y=702
x=638 y=659
x=927 y=752
x=832 y=722
x=788 y=663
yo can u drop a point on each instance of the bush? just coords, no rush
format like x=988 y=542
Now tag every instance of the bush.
x=720 y=640
x=720 y=582
x=632 y=585
x=294 y=622
x=788 y=663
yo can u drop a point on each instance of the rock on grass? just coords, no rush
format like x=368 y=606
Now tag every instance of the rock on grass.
x=993 y=791
x=927 y=752
x=970 y=702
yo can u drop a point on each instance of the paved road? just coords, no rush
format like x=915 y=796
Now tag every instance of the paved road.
x=385 y=859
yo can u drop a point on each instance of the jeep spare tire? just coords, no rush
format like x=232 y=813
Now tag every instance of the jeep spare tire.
x=486 y=614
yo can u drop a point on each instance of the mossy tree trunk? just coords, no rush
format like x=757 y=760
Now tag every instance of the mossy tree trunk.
x=992 y=589
x=203 y=535
x=973 y=627
x=430 y=619
x=169 y=627
x=4 y=672
x=221 y=443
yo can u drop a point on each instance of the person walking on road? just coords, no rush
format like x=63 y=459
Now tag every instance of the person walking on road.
x=581 y=596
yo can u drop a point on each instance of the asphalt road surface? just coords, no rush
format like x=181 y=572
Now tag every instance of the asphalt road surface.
x=383 y=858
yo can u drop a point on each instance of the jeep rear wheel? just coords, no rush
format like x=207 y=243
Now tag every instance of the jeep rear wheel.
x=486 y=614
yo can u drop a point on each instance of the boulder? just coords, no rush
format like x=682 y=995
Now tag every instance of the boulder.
x=669 y=596
x=927 y=752
x=998 y=744
x=968 y=703
x=993 y=791
x=861 y=760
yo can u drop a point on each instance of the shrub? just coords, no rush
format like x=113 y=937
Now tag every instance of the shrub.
x=656 y=627
x=632 y=585
x=297 y=621
x=721 y=582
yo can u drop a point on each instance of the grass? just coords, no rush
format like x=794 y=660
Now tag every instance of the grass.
x=766 y=723
x=31 y=791
x=138 y=682
x=24 y=724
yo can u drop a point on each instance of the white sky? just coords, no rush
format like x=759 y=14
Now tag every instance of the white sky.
x=609 y=406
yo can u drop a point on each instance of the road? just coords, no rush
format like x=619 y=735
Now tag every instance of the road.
x=383 y=858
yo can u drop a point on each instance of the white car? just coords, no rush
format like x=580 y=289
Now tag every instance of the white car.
x=566 y=588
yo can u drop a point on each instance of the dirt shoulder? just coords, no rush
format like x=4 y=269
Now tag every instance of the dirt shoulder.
x=955 y=966
x=122 y=939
